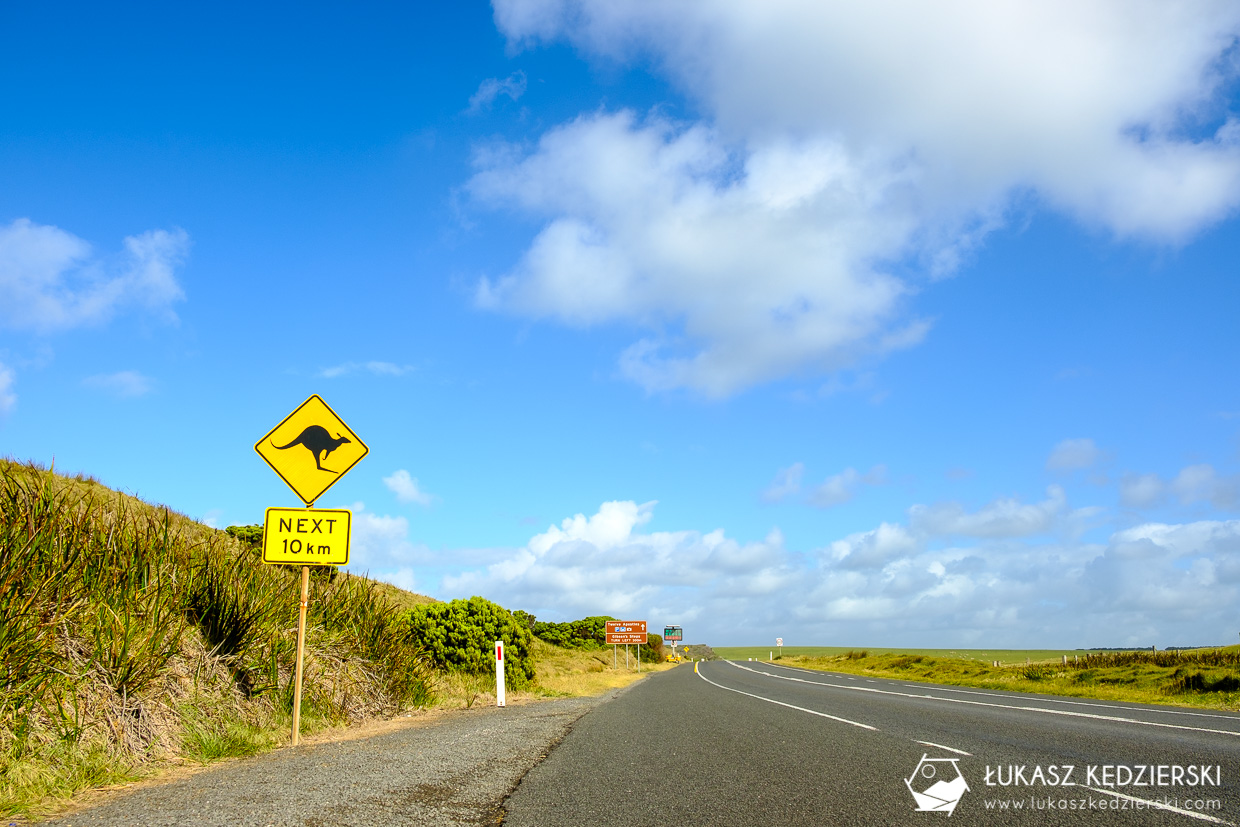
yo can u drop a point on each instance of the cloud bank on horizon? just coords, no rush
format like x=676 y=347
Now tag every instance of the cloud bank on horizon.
x=834 y=146
x=1009 y=574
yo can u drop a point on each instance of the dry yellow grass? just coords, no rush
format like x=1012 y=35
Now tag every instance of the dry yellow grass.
x=562 y=673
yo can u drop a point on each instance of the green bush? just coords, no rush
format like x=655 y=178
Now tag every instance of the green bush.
x=250 y=535
x=587 y=633
x=460 y=636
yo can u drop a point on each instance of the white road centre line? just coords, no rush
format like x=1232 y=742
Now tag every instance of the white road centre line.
x=940 y=746
x=790 y=706
x=1067 y=713
x=1161 y=806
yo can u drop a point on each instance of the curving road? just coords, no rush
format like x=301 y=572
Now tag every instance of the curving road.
x=748 y=743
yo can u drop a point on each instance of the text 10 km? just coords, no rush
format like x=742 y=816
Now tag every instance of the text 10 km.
x=295 y=547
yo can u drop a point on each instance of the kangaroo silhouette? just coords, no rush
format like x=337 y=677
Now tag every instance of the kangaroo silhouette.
x=319 y=442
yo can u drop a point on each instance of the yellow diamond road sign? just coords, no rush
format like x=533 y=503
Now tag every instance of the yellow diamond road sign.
x=311 y=449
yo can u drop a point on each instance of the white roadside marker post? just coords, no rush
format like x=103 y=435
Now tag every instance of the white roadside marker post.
x=499 y=673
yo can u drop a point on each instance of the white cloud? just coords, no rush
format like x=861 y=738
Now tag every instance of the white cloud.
x=513 y=86
x=1073 y=454
x=874 y=549
x=766 y=273
x=1006 y=517
x=373 y=368
x=1193 y=484
x=380 y=543
x=602 y=564
x=842 y=487
x=50 y=280
x=839 y=139
x=1200 y=483
x=1141 y=490
x=8 y=399
x=787 y=483
x=125 y=384
x=406 y=488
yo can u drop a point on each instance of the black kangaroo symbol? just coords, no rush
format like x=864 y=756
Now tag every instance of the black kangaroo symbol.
x=317 y=441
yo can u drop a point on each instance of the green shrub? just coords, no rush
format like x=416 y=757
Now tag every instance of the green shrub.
x=460 y=636
x=587 y=633
x=1197 y=682
x=1037 y=672
x=250 y=535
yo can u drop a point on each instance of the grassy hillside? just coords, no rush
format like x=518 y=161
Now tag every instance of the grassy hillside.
x=134 y=638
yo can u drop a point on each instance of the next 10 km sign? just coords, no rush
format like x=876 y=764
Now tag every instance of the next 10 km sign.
x=307 y=536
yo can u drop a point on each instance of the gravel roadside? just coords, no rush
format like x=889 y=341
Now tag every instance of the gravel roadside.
x=453 y=770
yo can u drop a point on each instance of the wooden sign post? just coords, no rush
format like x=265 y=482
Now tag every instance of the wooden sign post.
x=296 y=450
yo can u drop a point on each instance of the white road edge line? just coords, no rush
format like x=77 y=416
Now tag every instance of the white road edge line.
x=1067 y=713
x=790 y=706
x=940 y=746
x=1159 y=805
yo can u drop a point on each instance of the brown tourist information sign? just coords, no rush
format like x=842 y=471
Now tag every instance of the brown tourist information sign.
x=626 y=631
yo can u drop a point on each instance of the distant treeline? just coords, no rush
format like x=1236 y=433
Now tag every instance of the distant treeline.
x=1143 y=649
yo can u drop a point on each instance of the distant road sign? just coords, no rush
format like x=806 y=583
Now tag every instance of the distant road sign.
x=311 y=449
x=673 y=633
x=779 y=641
x=626 y=631
x=307 y=536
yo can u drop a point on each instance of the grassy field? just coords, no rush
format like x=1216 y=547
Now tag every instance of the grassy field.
x=1203 y=678
x=1004 y=656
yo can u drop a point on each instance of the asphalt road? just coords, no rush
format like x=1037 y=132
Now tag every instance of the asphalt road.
x=751 y=743
x=450 y=770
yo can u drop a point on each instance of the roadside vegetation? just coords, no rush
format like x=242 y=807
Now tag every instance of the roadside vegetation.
x=133 y=638
x=1206 y=678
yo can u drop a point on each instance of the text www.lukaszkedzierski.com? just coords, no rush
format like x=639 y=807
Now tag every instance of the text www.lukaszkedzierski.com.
x=1086 y=803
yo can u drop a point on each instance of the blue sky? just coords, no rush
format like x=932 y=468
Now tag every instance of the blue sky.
x=883 y=325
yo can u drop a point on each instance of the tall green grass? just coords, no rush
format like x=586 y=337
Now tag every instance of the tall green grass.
x=130 y=635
